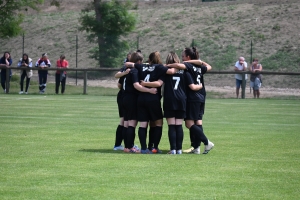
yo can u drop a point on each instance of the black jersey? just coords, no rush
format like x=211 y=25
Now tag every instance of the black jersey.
x=192 y=95
x=175 y=91
x=121 y=81
x=197 y=73
x=150 y=73
x=129 y=79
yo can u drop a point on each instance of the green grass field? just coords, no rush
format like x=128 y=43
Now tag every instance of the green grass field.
x=60 y=147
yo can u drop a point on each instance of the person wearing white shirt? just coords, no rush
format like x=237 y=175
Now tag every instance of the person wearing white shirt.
x=240 y=65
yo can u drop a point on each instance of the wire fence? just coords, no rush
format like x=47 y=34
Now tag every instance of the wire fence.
x=86 y=86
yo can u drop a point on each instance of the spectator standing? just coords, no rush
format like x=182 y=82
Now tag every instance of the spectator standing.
x=61 y=76
x=127 y=59
x=43 y=63
x=240 y=65
x=26 y=64
x=255 y=77
x=5 y=61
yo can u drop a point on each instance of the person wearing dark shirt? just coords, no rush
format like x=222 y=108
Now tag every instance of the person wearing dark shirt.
x=43 y=63
x=149 y=105
x=5 y=61
x=132 y=89
x=120 y=131
x=195 y=99
x=26 y=63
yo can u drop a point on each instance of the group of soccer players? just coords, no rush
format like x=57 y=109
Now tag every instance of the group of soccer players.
x=139 y=100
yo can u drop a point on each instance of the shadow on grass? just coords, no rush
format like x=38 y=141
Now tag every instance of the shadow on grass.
x=99 y=151
x=110 y=151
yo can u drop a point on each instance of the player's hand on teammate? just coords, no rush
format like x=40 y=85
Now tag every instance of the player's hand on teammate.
x=153 y=90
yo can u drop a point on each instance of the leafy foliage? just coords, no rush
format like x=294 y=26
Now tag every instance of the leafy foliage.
x=106 y=25
x=11 y=15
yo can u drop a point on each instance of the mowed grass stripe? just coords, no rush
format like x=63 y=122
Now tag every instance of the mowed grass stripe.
x=63 y=150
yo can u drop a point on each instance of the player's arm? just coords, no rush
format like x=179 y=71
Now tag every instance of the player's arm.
x=200 y=62
x=119 y=86
x=153 y=84
x=177 y=65
x=141 y=88
x=120 y=74
x=195 y=87
x=171 y=71
x=129 y=64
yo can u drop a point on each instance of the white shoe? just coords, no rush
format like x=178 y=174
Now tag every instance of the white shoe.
x=136 y=147
x=21 y=92
x=4 y=91
x=121 y=148
x=172 y=152
x=208 y=147
x=196 y=151
x=188 y=150
x=26 y=92
x=179 y=151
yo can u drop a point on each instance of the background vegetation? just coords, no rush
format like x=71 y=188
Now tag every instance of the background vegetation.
x=222 y=32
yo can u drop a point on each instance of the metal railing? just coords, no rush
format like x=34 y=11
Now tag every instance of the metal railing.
x=86 y=70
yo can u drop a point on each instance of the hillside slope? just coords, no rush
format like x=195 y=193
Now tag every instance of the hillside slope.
x=222 y=31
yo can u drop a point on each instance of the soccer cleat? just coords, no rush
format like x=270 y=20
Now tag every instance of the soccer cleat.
x=179 y=151
x=154 y=150
x=208 y=147
x=121 y=148
x=21 y=92
x=188 y=150
x=133 y=150
x=136 y=147
x=146 y=151
x=172 y=152
x=126 y=150
x=196 y=151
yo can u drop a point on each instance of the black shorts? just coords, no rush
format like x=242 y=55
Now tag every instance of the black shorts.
x=149 y=110
x=178 y=114
x=130 y=107
x=202 y=107
x=193 y=110
x=120 y=108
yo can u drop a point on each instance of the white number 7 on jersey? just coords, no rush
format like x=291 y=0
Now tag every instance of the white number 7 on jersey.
x=177 y=82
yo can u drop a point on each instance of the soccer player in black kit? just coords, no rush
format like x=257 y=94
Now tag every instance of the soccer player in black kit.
x=121 y=130
x=195 y=99
x=174 y=105
x=149 y=105
x=132 y=90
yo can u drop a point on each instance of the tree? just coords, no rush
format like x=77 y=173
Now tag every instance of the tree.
x=105 y=22
x=11 y=15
